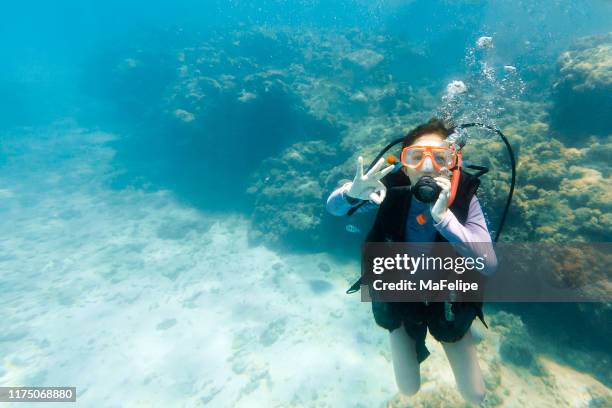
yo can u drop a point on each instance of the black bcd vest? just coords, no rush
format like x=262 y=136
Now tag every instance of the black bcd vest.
x=390 y=222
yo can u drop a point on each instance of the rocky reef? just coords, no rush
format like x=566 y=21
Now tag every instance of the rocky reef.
x=314 y=99
x=562 y=193
x=286 y=187
x=516 y=346
x=582 y=102
x=252 y=96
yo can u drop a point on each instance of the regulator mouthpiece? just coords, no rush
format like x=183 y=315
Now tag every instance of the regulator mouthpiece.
x=426 y=190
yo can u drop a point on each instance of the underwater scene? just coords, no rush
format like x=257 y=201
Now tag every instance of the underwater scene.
x=181 y=216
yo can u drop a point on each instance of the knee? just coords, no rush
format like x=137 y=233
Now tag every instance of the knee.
x=473 y=396
x=408 y=387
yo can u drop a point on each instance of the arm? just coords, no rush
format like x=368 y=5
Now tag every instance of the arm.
x=472 y=238
x=339 y=203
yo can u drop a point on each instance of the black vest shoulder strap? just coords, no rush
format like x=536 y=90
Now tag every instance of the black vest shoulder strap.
x=468 y=185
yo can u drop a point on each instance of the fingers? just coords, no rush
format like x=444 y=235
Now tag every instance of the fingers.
x=445 y=185
x=378 y=197
x=446 y=172
x=359 y=173
x=384 y=171
x=374 y=173
x=376 y=167
x=383 y=194
x=443 y=182
x=379 y=194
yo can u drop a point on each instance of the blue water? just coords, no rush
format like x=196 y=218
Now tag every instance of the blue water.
x=164 y=168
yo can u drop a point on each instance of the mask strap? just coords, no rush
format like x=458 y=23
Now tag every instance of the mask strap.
x=455 y=180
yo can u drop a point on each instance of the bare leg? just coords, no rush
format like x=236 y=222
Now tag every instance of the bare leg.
x=464 y=361
x=405 y=363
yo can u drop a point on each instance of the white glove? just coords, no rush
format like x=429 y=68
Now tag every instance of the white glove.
x=438 y=210
x=369 y=186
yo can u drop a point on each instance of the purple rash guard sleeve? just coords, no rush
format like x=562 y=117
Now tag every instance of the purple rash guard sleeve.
x=338 y=203
x=472 y=238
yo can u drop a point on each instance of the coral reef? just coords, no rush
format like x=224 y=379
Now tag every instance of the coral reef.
x=516 y=346
x=582 y=102
x=581 y=332
x=284 y=192
x=283 y=86
x=564 y=193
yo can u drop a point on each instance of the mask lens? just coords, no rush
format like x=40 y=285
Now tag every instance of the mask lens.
x=443 y=157
x=414 y=156
x=440 y=157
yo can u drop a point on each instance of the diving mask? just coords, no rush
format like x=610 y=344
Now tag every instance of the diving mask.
x=441 y=157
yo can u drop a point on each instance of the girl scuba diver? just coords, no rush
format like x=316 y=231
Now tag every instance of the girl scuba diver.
x=441 y=208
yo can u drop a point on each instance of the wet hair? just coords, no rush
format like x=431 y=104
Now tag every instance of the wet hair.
x=434 y=125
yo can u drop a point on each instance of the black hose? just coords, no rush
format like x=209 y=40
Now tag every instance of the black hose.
x=383 y=151
x=512 y=162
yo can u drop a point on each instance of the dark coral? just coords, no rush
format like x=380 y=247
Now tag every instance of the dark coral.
x=582 y=92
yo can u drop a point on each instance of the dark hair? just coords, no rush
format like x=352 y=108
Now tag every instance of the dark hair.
x=434 y=125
